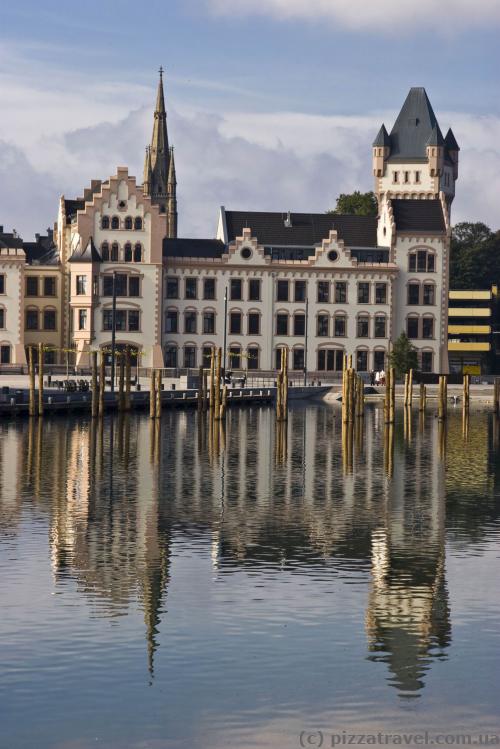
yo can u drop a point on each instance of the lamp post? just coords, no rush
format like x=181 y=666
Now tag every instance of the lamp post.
x=113 y=334
x=305 y=341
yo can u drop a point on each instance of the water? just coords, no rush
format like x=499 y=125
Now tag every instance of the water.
x=174 y=587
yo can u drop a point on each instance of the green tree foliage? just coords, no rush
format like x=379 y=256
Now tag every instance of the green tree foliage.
x=403 y=356
x=475 y=256
x=356 y=204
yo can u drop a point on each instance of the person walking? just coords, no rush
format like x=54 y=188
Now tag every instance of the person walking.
x=372 y=378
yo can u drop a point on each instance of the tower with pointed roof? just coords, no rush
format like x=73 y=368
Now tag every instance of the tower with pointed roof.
x=159 y=181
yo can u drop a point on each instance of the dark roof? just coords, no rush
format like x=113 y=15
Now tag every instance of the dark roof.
x=383 y=139
x=414 y=126
x=89 y=254
x=451 y=142
x=72 y=206
x=9 y=239
x=204 y=248
x=419 y=215
x=42 y=251
x=436 y=137
x=306 y=230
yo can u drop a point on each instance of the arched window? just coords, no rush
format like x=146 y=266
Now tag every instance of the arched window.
x=363 y=326
x=340 y=326
x=105 y=252
x=114 y=252
x=235 y=356
x=128 y=253
x=49 y=319
x=115 y=222
x=128 y=223
x=2 y=318
x=138 y=223
x=298 y=359
x=422 y=261
x=427 y=327
x=277 y=356
x=105 y=222
x=137 y=253
x=171 y=356
x=412 y=326
x=380 y=327
x=5 y=353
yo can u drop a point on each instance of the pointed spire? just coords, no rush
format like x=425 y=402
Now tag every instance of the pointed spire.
x=414 y=126
x=450 y=141
x=436 y=137
x=172 y=178
x=159 y=150
x=383 y=139
x=147 y=170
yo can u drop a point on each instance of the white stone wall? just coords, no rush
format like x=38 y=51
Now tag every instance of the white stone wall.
x=11 y=301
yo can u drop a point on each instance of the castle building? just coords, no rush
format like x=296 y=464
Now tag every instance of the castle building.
x=320 y=285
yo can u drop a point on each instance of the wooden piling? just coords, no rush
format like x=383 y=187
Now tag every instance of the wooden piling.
x=128 y=377
x=205 y=391
x=410 y=388
x=223 y=405
x=212 y=380
x=152 y=394
x=392 y=400
x=496 y=396
x=32 y=408
x=200 y=388
x=387 y=401
x=406 y=396
x=159 y=376
x=102 y=382
x=442 y=398
x=217 y=384
x=421 y=402
x=285 y=386
x=121 y=383
x=40 y=379
x=95 y=393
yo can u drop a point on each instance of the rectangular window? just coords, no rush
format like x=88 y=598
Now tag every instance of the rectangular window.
x=206 y=356
x=171 y=357
x=363 y=327
x=209 y=323
x=379 y=361
x=133 y=320
x=253 y=323
x=413 y=293
x=406 y=177
x=426 y=361
x=322 y=325
x=298 y=359
x=299 y=325
x=340 y=292
x=49 y=357
x=107 y=319
x=190 y=321
x=31 y=286
x=209 y=288
x=49 y=286
x=417 y=178
x=340 y=326
x=430 y=263
x=363 y=293
x=254 y=290
x=300 y=291
x=380 y=293
x=421 y=261
x=32 y=319
x=172 y=289
x=235 y=357
x=120 y=284
x=82 y=319
x=282 y=291
x=2 y=284
x=253 y=358
x=49 y=319
x=189 y=357
x=171 y=321
x=412 y=265
x=81 y=285
x=191 y=288
x=134 y=285
x=236 y=290
x=362 y=361
x=282 y=324
x=395 y=177
x=428 y=327
x=4 y=354
x=121 y=319
x=2 y=318
x=321 y=360
x=107 y=285
x=412 y=327
x=428 y=293
x=235 y=323
x=380 y=326
x=323 y=291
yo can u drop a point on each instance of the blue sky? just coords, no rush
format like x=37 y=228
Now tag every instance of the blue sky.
x=272 y=103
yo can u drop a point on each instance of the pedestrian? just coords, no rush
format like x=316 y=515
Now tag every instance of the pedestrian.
x=372 y=378
x=382 y=377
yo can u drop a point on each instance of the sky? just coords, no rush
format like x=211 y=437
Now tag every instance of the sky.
x=272 y=104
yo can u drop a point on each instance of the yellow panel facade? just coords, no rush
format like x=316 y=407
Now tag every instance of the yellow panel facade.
x=469 y=312
x=472 y=295
x=462 y=346
x=470 y=329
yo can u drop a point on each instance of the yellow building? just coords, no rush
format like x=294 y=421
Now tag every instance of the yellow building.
x=471 y=318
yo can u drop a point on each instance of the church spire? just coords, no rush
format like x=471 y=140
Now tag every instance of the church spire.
x=172 y=198
x=158 y=153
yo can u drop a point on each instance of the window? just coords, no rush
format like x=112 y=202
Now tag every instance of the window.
x=417 y=178
x=413 y=293
x=322 y=329
x=363 y=293
x=299 y=324
x=363 y=327
x=81 y=285
x=209 y=288
x=395 y=177
x=430 y=263
x=189 y=357
x=429 y=293
x=362 y=361
x=49 y=319
x=282 y=324
x=49 y=286
x=4 y=354
x=406 y=177
x=128 y=223
x=31 y=286
x=2 y=318
x=138 y=223
x=127 y=253
x=300 y=291
x=134 y=320
x=253 y=357
x=171 y=357
x=137 y=252
x=340 y=326
x=121 y=281
x=340 y=292
x=171 y=321
x=115 y=222
x=190 y=321
x=330 y=360
x=235 y=357
x=277 y=357
x=121 y=319
x=134 y=286
x=298 y=359
x=428 y=327
x=380 y=326
x=32 y=319
x=380 y=293
x=412 y=327
x=105 y=252
x=2 y=284
x=254 y=290
x=209 y=323
x=421 y=261
x=82 y=319
x=236 y=289
x=105 y=222
x=172 y=288
x=115 y=252
x=253 y=323
x=235 y=323
x=191 y=288
x=206 y=355
x=379 y=361
x=426 y=361
x=282 y=291
x=323 y=291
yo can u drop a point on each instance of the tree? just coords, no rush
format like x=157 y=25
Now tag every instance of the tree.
x=403 y=356
x=475 y=256
x=356 y=204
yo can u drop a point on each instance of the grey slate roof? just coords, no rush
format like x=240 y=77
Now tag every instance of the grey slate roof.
x=8 y=240
x=421 y=216
x=72 y=206
x=89 y=254
x=202 y=248
x=450 y=141
x=383 y=139
x=436 y=137
x=43 y=251
x=307 y=229
x=414 y=126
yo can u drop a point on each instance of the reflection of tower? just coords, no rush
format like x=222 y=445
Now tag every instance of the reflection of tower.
x=408 y=613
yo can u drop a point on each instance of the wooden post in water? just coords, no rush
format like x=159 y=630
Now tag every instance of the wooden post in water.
x=212 y=381
x=410 y=389
x=159 y=375
x=152 y=394
x=205 y=390
x=392 y=402
x=200 y=388
x=443 y=398
x=421 y=403
x=496 y=396
x=95 y=394
x=406 y=390
x=32 y=409
x=40 y=379
x=217 y=384
x=121 y=383
x=223 y=405
x=387 y=401
x=128 y=377
x=102 y=382
x=285 y=386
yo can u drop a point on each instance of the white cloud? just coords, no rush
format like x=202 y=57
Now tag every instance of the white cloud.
x=384 y=15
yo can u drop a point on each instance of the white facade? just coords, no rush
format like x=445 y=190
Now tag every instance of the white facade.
x=12 y=261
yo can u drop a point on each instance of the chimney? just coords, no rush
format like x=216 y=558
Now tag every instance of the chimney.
x=37 y=238
x=288 y=220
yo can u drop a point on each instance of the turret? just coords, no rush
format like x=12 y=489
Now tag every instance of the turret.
x=435 y=151
x=452 y=150
x=157 y=161
x=381 y=151
x=146 y=186
x=172 y=198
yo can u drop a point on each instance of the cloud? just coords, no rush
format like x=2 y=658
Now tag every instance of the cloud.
x=384 y=15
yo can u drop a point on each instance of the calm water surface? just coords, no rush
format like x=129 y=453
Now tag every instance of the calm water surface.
x=174 y=586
